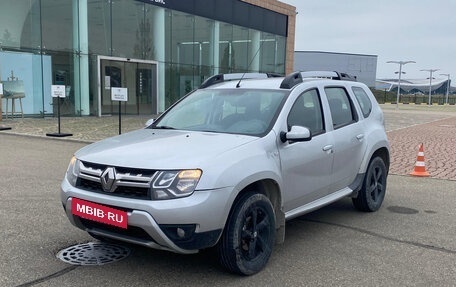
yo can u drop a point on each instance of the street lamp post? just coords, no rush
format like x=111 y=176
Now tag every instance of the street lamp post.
x=430 y=81
x=448 y=87
x=401 y=63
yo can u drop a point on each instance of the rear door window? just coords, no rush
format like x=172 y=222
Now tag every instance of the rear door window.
x=342 y=109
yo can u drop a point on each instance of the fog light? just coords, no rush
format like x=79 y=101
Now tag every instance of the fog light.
x=180 y=232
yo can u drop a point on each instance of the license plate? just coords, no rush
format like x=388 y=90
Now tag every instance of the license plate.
x=100 y=213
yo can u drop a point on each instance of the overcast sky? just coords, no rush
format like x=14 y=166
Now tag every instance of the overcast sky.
x=423 y=31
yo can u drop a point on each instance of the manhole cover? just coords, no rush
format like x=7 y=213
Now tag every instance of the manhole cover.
x=93 y=253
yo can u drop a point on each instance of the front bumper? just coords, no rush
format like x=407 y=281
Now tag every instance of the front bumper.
x=183 y=225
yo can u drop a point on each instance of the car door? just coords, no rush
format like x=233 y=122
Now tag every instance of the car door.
x=348 y=134
x=306 y=166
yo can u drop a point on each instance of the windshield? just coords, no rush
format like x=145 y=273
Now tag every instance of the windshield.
x=236 y=111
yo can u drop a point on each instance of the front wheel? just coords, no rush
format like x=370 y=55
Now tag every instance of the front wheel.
x=372 y=193
x=247 y=241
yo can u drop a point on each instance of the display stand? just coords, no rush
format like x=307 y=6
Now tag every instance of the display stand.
x=58 y=91
x=120 y=95
x=2 y=128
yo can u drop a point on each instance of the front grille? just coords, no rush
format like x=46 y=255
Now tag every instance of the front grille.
x=116 y=181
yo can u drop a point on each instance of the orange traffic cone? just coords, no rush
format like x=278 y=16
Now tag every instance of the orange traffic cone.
x=420 y=168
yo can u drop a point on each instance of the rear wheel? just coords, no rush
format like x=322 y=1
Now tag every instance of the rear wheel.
x=372 y=193
x=247 y=241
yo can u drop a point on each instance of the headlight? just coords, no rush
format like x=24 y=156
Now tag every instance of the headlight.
x=73 y=171
x=174 y=183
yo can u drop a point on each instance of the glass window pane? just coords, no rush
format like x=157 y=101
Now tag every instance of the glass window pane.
x=226 y=60
x=240 y=49
x=307 y=112
x=342 y=111
x=281 y=53
x=183 y=39
x=268 y=53
x=128 y=27
x=25 y=75
x=363 y=100
x=20 y=25
x=99 y=23
x=57 y=23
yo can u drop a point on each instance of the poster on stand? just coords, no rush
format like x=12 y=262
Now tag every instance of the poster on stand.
x=58 y=91
x=119 y=94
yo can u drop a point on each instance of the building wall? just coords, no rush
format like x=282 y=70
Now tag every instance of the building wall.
x=290 y=11
x=364 y=67
x=81 y=43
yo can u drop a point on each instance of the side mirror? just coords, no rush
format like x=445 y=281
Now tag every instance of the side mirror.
x=296 y=134
x=149 y=122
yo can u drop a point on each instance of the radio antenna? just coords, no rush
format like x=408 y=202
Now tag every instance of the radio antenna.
x=238 y=85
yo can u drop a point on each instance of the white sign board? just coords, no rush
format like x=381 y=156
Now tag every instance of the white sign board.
x=119 y=94
x=107 y=83
x=58 y=91
x=1 y=89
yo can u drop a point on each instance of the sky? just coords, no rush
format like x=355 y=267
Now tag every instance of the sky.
x=423 y=31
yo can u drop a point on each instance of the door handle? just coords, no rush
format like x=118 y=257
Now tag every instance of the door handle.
x=328 y=148
x=360 y=137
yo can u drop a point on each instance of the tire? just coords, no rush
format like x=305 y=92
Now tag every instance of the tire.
x=372 y=193
x=249 y=235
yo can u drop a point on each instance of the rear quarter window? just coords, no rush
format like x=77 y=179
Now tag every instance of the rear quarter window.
x=363 y=101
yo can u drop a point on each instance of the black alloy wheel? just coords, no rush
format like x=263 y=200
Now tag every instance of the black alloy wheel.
x=373 y=191
x=248 y=239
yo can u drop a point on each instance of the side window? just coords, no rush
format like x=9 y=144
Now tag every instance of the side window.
x=307 y=112
x=363 y=100
x=342 y=110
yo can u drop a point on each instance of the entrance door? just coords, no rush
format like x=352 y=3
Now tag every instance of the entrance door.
x=140 y=79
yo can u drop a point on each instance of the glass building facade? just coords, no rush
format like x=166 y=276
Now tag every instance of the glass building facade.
x=158 y=49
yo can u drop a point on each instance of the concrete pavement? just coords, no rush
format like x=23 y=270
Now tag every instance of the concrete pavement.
x=408 y=242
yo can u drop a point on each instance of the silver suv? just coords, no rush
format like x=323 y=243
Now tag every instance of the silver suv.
x=229 y=163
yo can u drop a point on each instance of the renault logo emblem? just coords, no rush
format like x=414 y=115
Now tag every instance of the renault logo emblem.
x=108 y=178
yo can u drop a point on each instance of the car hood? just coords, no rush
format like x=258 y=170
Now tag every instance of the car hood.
x=162 y=149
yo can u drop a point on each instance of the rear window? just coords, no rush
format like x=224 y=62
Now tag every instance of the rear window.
x=363 y=100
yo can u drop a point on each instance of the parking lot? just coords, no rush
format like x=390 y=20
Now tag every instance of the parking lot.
x=408 y=242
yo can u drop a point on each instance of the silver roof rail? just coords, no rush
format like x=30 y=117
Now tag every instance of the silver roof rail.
x=319 y=74
x=328 y=75
x=220 y=78
x=295 y=78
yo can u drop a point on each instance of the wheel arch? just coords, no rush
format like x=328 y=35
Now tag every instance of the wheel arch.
x=383 y=153
x=381 y=150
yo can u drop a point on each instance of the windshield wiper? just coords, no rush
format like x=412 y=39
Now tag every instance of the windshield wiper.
x=164 y=127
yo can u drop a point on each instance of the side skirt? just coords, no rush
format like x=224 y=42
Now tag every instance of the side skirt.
x=318 y=203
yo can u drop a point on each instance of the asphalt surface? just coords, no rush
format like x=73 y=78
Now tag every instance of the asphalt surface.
x=408 y=242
